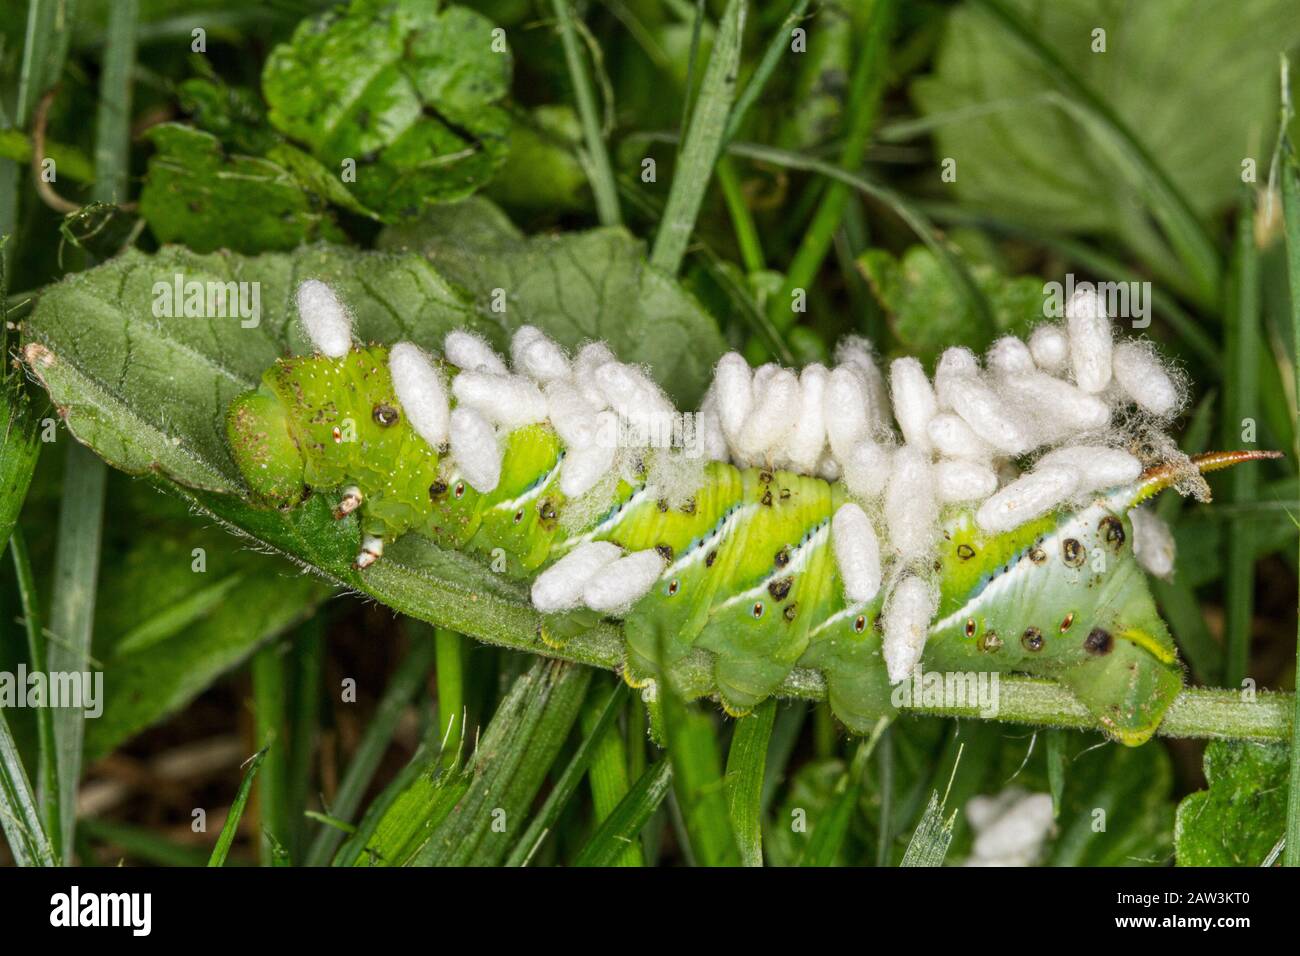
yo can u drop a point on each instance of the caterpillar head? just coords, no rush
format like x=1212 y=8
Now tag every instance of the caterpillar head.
x=257 y=427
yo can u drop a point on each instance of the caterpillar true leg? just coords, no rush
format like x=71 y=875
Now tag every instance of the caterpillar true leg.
x=372 y=549
x=350 y=502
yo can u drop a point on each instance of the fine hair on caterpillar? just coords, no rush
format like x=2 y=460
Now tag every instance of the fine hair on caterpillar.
x=862 y=521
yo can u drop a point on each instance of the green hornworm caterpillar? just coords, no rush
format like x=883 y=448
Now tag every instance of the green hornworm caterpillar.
x=784 y=524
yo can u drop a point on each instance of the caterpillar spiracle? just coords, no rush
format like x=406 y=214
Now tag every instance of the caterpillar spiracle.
x=983 y=519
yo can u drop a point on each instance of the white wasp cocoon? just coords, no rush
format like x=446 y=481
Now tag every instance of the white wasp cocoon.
x=1153 y=543
x=955 y=364
x=907 y=621
x=1059 y=408
x=712 y=440
x=865 y=471
x=808 y=439
x=618 y=586
x=421 y=392
x=474 y=448
x=773 y=417
x=324 y=319
x=469 y=353
x=914 y=401
x=733 y=387
x=1090 y=340
x=828 y=469
x=911 y=513
x=1050 y=348
x=571 y=414
x=855 y=352
x=845 y=411
x=857 y=552
x=585 y=465
x=987 y=415
x=511 y=401
x=559 y=587
x=1009 y=356
x=957 y=480
x=589 y=358
x=953 y=438
x=1026 y=498
x=1143 y=378
x=537 y=356
x=1096 y=466
x=1010 y=828
x=632 y=394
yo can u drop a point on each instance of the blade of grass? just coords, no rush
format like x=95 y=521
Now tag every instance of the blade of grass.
x=601 y=176
x=19 y=816
x=1185 y=233
x=306 y=663
x=142 y=844
x=1291 y=217
x=269 y=690
x=620 y=829
x=230 y=828
x=746 y=761
x=607 y=774
x=697 y=781
x=930 y=840
x=885 y=830
x=742 y=223
x=863 y=106
x=594 y=731
x=46 y=774
x=1241 y=403
x=832 y=830
x=702 y=142
x=409 y=676
x=450 y=670
x=776 y=48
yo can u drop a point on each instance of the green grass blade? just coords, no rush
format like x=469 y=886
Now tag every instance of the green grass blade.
x=620 y=829
x=608 y=774
x=746 y=762
x=142 y=844
x=594 y=733
x=703 y=140
x=776 y=48
x=512 y=760
x=307 y=661
x=603 y=185
x=46 y=774
x=20 y=446
x=410 y=675
x=862 y=108
x=1241 y=403
x=450 y=670
x=1291 y=215
x=229 y=829
x=269 y=693
x=72 y=611
x=930 y=840
x=697 y=781
x=19 y=817
x=832 y=830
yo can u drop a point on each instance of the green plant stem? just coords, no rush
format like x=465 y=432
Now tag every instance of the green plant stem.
x=1241 y=404
x=702 y=142
x=862 y=108
x=269 y=718
x=746 y=765
x=599 y=172
x=230 y=827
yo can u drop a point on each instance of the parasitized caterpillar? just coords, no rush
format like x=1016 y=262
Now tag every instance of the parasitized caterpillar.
x=785 y=524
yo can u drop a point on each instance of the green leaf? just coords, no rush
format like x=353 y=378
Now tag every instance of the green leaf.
x=1021 y=152
x=409 y=93
x=19 y=817
x=746 y=760
x=542 y=172
x=1238 y=819
x=929 y=313
x=809 y=798
x=692 y=747
x=930 y=840
x=19 y=448
x=577 y=286
x=197 y=194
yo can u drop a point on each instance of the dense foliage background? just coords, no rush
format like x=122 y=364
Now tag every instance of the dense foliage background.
x=668 y=176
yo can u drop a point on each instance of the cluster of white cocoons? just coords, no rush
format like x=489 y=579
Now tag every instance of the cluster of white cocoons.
x=905 y=445
x=1010 y=827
